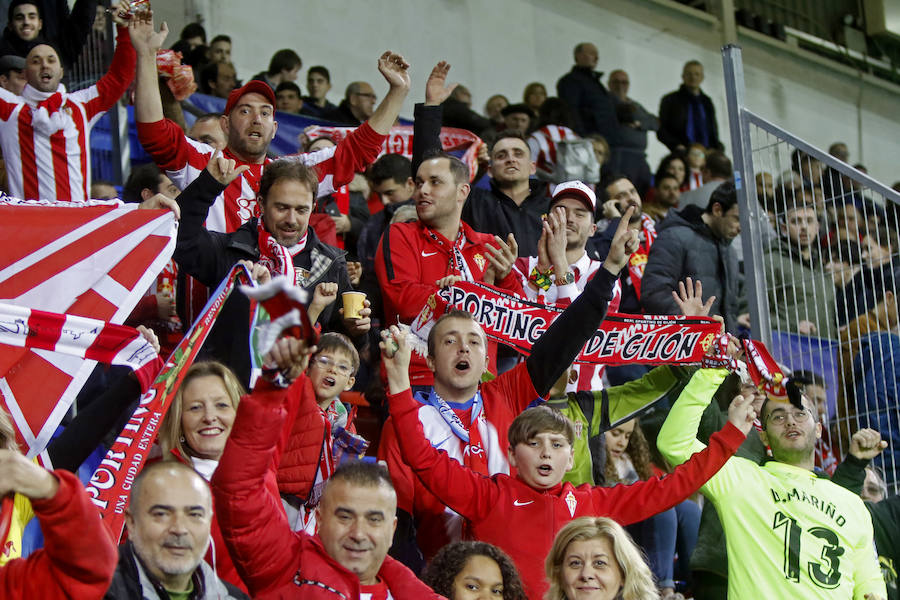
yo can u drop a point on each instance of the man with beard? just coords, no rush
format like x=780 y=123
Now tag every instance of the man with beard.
x=665 y=198
x=621 y=194
x=45 y=132
x=790 y=533
x=249 y=126
x=168 y=519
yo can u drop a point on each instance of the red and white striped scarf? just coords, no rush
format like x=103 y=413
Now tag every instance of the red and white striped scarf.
x=278 y=259
x=79 y=336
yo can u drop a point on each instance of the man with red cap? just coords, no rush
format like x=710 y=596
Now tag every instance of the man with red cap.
x=249 y=125
x=562 y=267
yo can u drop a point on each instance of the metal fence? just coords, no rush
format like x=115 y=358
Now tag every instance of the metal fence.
x=109 y=136
x=820 y=261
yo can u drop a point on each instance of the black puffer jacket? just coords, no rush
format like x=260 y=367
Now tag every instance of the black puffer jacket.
x=686 y=247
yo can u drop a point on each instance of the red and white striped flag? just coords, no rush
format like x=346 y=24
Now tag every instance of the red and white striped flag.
x=92 y=260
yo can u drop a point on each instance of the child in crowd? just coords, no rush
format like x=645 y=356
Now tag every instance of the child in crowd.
x=521 y=515
x=323 y=432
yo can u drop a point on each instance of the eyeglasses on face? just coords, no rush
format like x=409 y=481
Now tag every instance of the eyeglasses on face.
x=778 y=417
x=326 y=362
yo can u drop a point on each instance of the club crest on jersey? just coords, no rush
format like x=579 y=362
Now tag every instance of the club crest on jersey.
x=579 y=426
x=479 y=260
x=571 y=502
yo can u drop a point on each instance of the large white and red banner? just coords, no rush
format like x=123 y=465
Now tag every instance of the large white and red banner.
x=399 y=141
x=621 y=339
x=91 y=260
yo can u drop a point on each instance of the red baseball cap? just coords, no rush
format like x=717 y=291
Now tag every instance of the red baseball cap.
x=254 y=86
x=575 y=189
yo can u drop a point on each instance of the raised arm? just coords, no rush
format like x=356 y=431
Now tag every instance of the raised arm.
x=563 y=340
x=427 y=117
x=677 y=439
x=200 y=251
x=78 y=559
x=395 y=70
x=468 y=493
x=640 y=500
x=146 y=41
x=250 y=515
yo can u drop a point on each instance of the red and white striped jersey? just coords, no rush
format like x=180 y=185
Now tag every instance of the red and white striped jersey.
x=183 y=159
x=543 y=145
x=58 y=166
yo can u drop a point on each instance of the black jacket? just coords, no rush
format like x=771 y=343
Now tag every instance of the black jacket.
x=592 y=105
x=673 y=117
x=130 y=583
x=342 y=114
x=208 y=257
x=686 y=246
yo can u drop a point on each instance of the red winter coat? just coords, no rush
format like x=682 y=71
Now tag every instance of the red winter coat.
x=409 y=261
x=78 y=559
x=523 y=521
x=274 y=561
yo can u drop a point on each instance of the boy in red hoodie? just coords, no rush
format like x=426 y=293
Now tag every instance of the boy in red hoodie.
x=522 y=514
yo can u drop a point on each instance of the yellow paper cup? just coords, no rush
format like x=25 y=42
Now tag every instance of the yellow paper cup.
x=353 y=303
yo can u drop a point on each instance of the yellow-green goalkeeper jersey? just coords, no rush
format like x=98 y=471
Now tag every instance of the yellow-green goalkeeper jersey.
x=790 y=534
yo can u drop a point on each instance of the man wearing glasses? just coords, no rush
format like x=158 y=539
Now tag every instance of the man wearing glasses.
x=356 y=107
x=790 y=532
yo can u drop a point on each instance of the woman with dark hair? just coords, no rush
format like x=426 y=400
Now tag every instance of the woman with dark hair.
x=628 y=459
x=675 y=165
x=473 y=571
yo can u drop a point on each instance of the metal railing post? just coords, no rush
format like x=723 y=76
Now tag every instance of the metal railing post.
x=752 y=217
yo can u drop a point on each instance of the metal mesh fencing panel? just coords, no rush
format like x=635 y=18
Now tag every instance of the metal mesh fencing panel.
x=821 y=257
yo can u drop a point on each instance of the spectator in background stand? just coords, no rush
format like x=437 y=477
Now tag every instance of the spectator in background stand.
x=801 y=294
x=219 y=50
x=12 y=74
x=191 y=36
x=391 y=178
x=457 y=111
x=218 y=79
x=288 y=98
x=696 y=161
x=493 y=109
x=318 y=84
x=357 y=106
x=518 y=117
x=283 y=66
x=534 y=95
x=78 y=558
x=840 y=151
x=716 y=170
x=59 y=170
x=601 y=151
x=696 y=243
x=103 y=190
x=169 y=516
x=592 y=105
x=687 y=115
x=630 y=155
x=207 y=129
x=665 y=198
x=24 y=30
